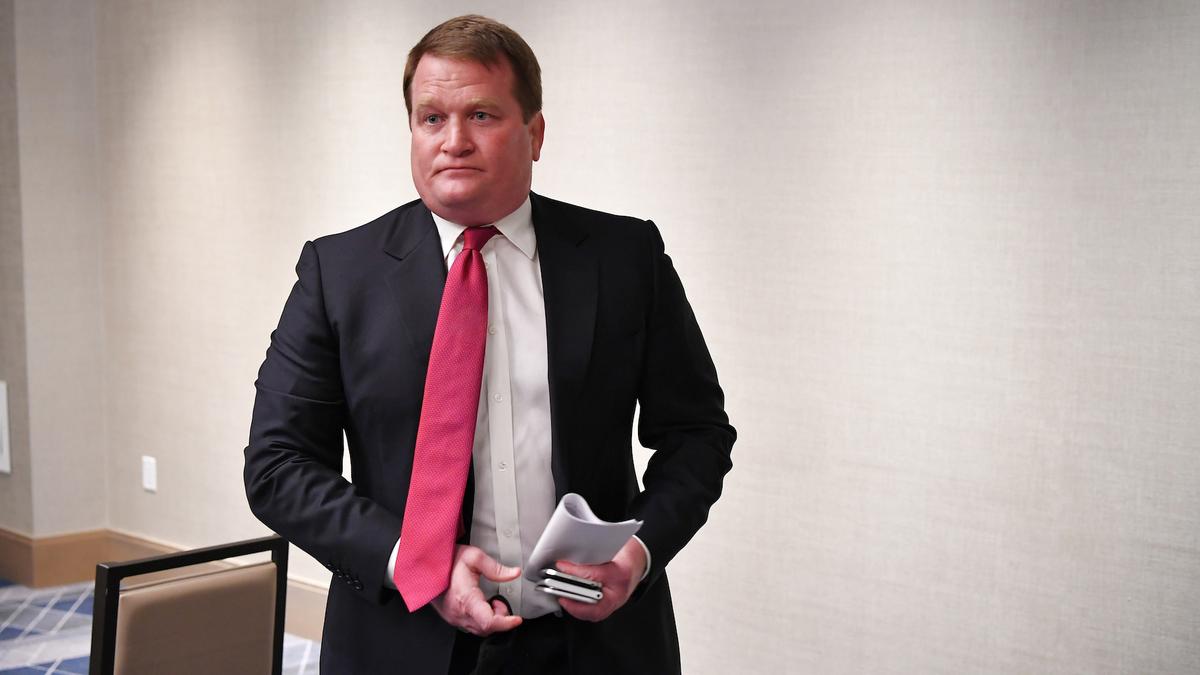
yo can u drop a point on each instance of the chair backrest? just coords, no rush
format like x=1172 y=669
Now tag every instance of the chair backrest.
x=226 y=620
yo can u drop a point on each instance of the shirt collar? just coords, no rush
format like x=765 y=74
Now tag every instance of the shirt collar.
x=516 y=227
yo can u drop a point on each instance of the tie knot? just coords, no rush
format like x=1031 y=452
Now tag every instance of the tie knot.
x=475 y=237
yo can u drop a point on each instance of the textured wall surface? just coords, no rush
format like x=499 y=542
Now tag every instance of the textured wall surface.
x=16 y=496
x=62 y=225
x=946 y=255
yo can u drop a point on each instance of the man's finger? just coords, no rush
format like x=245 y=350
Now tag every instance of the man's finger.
x=499 y=624
x=479 y=614
x=500 y=605
x=484 y=618
x=589 y=572
x=497 y=572
x=583 y=610
x=472 y=556
x=481 y=563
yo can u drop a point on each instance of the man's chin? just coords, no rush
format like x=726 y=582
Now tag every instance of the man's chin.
x=462 y=211
x=472 y=205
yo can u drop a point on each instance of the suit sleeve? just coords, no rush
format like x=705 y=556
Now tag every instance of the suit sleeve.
x=294 y=458
x=682 y=419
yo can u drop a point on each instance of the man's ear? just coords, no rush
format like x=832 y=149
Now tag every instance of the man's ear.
x=537 y=131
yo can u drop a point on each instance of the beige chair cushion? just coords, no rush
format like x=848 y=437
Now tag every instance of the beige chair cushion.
x=215 y=622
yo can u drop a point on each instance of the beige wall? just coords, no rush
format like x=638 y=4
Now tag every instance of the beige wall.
x=231 y=134
x=946 y=256
x=16 y=496
x=61 y=222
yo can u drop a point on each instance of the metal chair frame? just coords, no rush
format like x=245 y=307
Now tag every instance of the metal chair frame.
x=108 y=592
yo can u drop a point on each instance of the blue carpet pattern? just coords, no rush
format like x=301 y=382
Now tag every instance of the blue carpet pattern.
x=49 y=630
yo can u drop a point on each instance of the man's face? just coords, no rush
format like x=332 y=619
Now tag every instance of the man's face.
x=472 y=155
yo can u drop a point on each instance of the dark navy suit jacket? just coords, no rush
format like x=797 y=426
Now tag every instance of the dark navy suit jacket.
x=350 y=353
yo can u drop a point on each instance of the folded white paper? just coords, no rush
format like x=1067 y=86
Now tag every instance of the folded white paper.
x=575 y=533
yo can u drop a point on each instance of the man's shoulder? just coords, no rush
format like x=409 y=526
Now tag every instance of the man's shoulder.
x=361 y=253
x=560 y=209
x=382 y=226
x=554 y=214
x=403 y=226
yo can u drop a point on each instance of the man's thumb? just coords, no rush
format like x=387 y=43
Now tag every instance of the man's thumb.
x=497 y=572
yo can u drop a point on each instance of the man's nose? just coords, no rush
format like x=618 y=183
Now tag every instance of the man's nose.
x=457 y=141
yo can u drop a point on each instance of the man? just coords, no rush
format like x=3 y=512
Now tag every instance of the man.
x=485 y=325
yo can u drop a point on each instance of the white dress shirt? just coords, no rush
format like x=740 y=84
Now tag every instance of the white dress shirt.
x=514 y=485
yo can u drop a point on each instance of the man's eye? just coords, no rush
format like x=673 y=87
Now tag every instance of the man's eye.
x=432 y=119
x=480 y=116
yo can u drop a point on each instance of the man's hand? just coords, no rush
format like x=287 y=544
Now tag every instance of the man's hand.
x=617 y=577
x=463 y=604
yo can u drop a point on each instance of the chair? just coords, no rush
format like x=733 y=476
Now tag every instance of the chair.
x=214 y=619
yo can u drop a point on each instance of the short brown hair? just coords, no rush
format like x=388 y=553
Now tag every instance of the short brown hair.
x=482 y=40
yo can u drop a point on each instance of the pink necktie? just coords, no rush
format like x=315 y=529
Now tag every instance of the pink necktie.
x=446 y=432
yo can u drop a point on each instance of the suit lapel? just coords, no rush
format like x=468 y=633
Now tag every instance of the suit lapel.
x=419 y=276
x=569 y=283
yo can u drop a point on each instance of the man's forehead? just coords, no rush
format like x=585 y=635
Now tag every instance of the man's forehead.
x=498 y=66
x=476 y=83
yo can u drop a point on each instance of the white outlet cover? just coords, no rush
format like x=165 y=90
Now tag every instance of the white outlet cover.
x=149 y=474
x=5 y=450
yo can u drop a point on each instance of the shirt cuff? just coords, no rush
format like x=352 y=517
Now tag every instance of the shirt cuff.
x=389 y=580
x=645 y=572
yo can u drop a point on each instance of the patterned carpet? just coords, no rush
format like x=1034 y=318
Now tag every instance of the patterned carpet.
x=49 y=630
